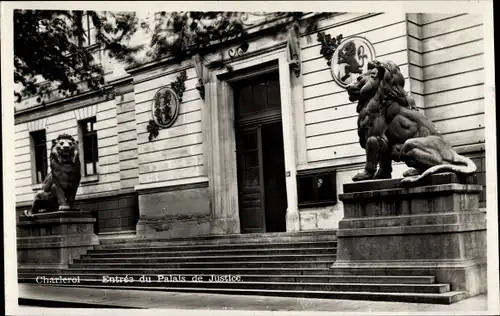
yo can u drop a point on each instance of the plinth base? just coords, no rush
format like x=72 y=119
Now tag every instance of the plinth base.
x=50 y=241
x=434 y=229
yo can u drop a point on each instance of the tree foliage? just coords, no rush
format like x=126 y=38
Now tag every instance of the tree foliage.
x=179 y=34
x=48 y=44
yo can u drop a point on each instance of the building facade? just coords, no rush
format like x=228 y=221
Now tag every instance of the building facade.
x=267 y=145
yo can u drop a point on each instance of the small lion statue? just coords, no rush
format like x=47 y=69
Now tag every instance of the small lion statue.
x=60 y=185
x=348 y=56
x=390 y=128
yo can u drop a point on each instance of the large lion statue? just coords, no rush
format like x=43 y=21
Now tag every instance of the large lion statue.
x=391 y=128
x=60 y=185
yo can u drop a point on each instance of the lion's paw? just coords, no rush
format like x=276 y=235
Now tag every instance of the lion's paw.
x=411 y=172
x=382 y=174
x=64 y=207
x=410 y=179
x=362 y=176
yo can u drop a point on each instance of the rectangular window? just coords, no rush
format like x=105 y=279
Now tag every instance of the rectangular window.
x=257 y=95
x=90 y=152
x=40 y=149
x=317 y=188
x=89 y=31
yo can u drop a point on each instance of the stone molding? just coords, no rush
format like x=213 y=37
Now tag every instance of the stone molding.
x=64 y=105
x=91 y=196
x=258 y=29
x=37 y=125
x=168 y=188
x=86 y=112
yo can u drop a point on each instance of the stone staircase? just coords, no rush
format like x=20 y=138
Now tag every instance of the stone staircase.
x=276 y=264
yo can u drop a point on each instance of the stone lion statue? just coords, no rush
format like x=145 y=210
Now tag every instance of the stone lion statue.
x=391 y=128
x=60 y=185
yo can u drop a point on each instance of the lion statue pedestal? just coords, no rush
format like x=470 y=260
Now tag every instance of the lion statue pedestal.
x=434 y=228
x=48 y=242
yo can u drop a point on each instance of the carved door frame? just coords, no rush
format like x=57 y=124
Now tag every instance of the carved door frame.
x=219 y=139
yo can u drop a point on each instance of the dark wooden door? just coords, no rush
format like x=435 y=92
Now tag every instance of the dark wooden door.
x=257 y=106
x=273 y=160
x=250 y=180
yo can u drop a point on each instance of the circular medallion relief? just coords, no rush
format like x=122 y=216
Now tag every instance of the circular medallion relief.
x=165 y=107
x=350 y=59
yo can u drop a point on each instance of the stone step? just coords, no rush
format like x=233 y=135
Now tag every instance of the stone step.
x=393 y=271
x=430 y=298
x=117 y=270
x=58 y=304
x=225 y=264
x=155 y=244
x=324 y=278
x=311 y=236
x=220 y=258
x=165 y=252
x=221 y=282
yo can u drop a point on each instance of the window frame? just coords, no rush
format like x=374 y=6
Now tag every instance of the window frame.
x=84 y=134
x=262 y=80
x=314 y=174
x=89 y=39
x=35 y=145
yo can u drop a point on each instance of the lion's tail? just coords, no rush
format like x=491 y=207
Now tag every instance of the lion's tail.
x=461 y=165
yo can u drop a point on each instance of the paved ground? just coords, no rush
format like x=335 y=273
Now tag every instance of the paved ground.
x=190 y=301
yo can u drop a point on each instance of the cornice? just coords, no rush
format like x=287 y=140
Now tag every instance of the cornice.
x=254 y=32
x=63 y=105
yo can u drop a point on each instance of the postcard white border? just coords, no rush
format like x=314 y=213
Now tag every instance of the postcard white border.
x=477 y=7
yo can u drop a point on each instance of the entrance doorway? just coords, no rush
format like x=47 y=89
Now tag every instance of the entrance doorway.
x=260 y=155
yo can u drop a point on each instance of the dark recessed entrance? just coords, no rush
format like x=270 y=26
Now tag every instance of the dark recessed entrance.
x=259 y=146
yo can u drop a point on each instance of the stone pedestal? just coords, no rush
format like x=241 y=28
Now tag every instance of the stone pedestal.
x=50 y=241
x=434 y=228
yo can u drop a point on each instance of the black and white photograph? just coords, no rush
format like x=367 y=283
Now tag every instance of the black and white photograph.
x=249 y=157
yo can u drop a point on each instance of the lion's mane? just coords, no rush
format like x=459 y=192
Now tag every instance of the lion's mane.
x=389 y=87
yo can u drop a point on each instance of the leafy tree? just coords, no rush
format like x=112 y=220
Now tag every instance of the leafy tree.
x=45 y=46
x=48 y=44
